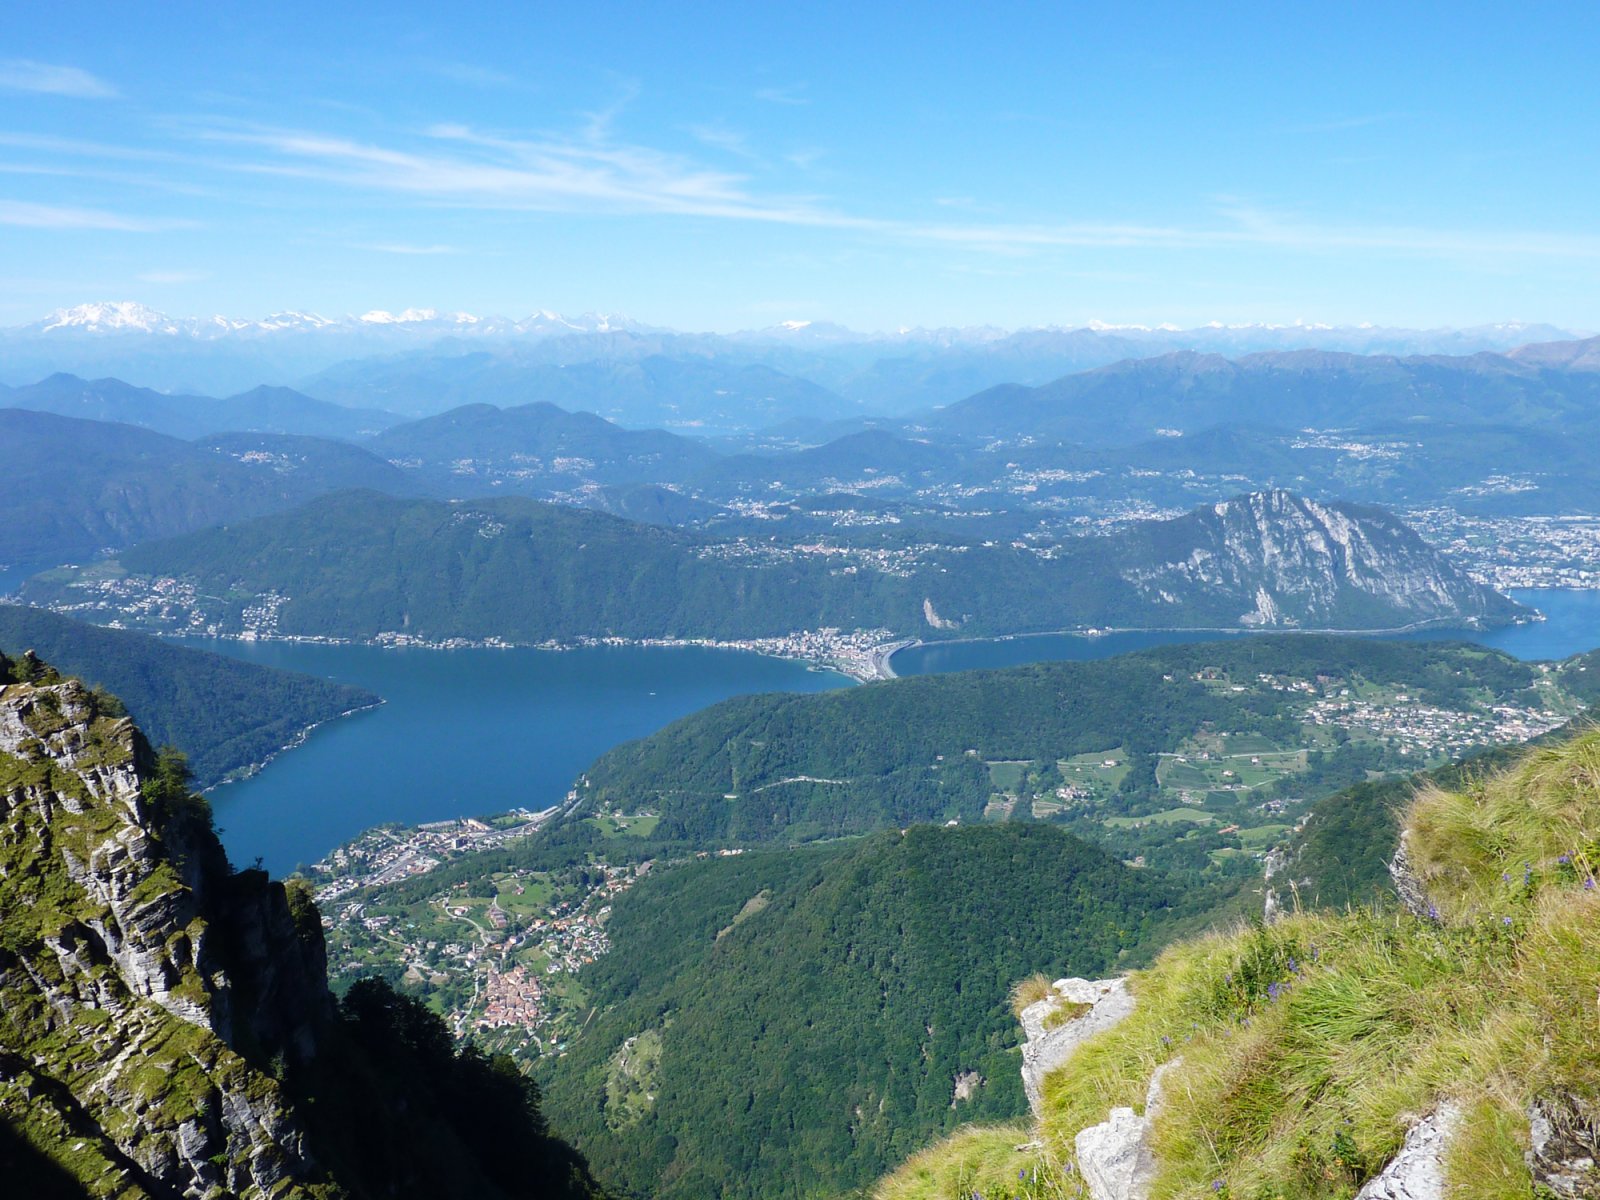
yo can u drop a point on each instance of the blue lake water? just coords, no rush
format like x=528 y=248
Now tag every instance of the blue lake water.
x=1572 y=625
x=466 y=732
x=13 y=575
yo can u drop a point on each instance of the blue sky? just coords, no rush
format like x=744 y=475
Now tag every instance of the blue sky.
x=720 y=167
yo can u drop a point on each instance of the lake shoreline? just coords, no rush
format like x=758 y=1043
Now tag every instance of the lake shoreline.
x=855 y=654
x=250 y=770
x=1098 y=631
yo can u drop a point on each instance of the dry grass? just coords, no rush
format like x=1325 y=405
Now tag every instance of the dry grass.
x=1029 y=991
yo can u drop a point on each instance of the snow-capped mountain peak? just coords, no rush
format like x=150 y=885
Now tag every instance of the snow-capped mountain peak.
x=416 y=316
x=117 y=315
x=293 y=319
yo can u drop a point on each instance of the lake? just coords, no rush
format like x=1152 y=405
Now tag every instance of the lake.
x=466 y=732
x=1572 y=625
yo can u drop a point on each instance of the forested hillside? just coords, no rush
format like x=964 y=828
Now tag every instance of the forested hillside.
x=930 y=748
x=784 y=1024
x=226 y=715
x=358 y=564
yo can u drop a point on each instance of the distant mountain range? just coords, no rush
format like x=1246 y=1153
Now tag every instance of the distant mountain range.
x=429 y=352
x=262 y=409
x=1187 y=391
x=1497 y=434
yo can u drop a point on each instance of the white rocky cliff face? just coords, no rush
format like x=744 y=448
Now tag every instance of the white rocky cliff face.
x=1089 y=1006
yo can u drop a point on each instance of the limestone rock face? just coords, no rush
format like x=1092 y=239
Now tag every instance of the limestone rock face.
x=1290 y=562
x=1407 y=883
x=1565 y=1152
x=1417 y=1171
x=125 y=947
x=1101 y=1003
x=1114 y=1157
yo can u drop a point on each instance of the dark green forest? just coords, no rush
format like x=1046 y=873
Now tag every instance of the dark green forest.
x=224 y=714
x=794 y=768
x=813 y=1009
x=357 y=564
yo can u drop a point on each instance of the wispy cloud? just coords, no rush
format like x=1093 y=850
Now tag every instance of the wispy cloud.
x=720 y=137
x=463 y=166
x=403 y=248
x=25 y=75
x=593 y=172
x=50 y=216
x=794 y=94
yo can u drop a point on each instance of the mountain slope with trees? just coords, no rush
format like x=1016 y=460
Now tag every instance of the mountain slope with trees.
x=357 y=565
x=226 y=715
x=778 y=1025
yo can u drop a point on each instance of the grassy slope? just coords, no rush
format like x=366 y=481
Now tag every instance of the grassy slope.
x=1308 y=1047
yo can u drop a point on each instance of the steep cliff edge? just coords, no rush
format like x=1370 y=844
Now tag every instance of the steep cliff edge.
x=1292 y=562
x=1445 y=1048
x=119 y=1016
x=166 y=1027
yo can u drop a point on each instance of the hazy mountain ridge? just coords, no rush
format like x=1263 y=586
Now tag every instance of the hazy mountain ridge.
x=76 y=487
x=262 y=409
x=360 y=565
x=1188 y=391
x=898 y=371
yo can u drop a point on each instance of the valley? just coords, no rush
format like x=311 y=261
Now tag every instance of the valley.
x=412 y=903
x=799 y=603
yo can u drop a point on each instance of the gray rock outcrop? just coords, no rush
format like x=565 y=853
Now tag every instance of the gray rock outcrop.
x=1417 y=1171
x=1114 y=1157
x=1051 y=1040
x=1407 y=883
x=1564 y=1155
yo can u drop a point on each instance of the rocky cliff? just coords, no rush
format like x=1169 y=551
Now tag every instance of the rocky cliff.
x=166 y=1027
x=1290 y=562
x=125 y=986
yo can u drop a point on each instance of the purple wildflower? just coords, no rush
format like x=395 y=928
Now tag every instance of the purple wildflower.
x=1433 y=913
x=1588 y=884
x=1294 y=966
x=1564 y=859
x=1506 y=875
x=1506 y=920
x=1217 y=1185
x=1272 y=991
